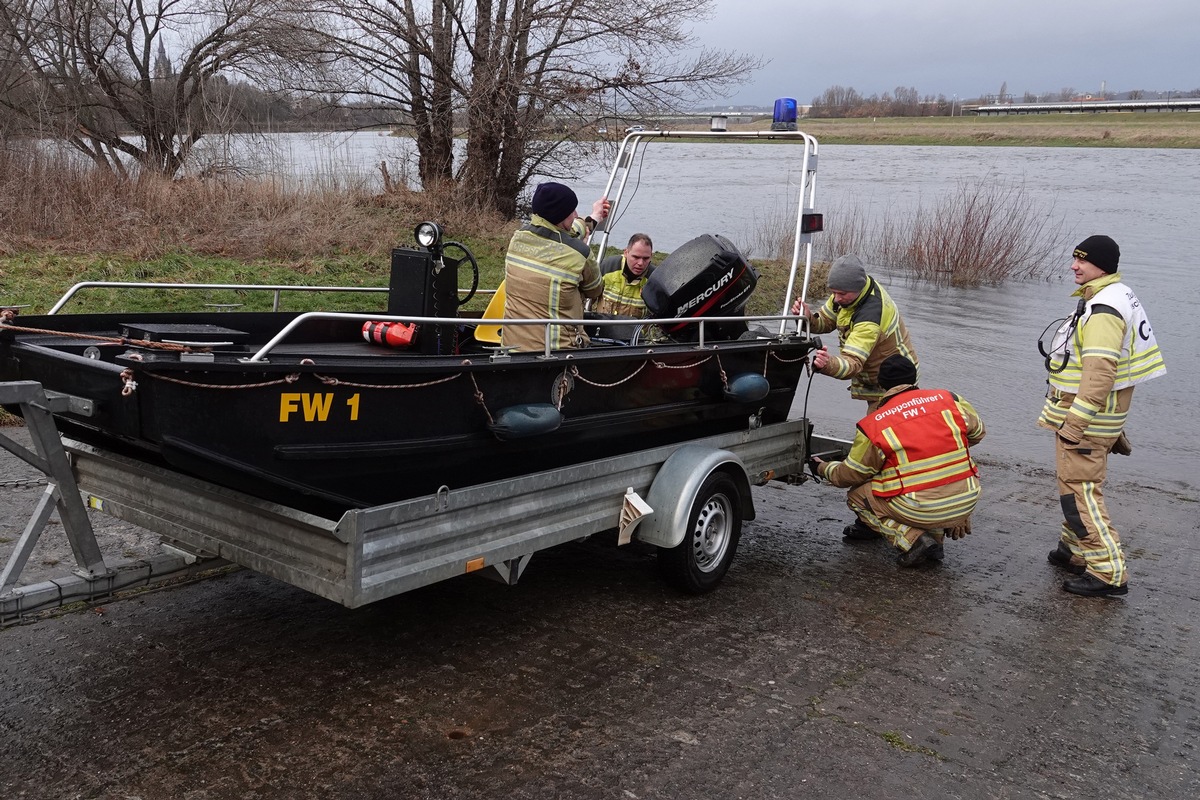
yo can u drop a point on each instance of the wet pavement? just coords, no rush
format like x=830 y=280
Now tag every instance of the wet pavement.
x=817 y=669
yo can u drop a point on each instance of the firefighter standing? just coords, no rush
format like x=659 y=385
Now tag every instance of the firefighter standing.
x=1094 y=360
x=910 y=471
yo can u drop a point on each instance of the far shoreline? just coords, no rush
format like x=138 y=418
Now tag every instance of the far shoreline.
x=1175 y=130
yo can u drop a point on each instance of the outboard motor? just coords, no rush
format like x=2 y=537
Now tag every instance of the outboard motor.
x=706 y=277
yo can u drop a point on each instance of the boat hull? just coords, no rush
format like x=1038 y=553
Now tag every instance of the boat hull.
x=330 y=422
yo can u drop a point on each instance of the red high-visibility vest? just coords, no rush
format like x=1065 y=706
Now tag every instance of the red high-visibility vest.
x=923 y=437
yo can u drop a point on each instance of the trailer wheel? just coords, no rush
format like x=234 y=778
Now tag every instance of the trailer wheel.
x=698 y=563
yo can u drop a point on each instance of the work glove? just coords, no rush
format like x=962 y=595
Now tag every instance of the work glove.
x=959 y=531
x=1123 y=447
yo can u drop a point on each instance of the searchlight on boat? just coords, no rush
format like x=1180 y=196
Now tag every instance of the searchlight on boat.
x=428 y=235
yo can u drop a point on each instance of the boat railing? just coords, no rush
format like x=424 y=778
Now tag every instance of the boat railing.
x=277 y=288
x=807 y=220
x=548 y=351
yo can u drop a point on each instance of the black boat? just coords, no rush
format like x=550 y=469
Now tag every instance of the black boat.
x=301 y=409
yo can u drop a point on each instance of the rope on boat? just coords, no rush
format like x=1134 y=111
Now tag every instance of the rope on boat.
x=95 y=337
x=329 y=380
x=479 y=399
x=693 y=365
x=131 y=384
x=563 y=385
x=290 y=378
x=574 y=370
x=575 y=373
x=725 y=379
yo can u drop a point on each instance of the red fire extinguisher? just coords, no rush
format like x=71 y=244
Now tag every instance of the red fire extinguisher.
x=394 y=334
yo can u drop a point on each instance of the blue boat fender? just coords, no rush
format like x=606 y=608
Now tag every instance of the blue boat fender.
x=749 y=387
x=526 y=419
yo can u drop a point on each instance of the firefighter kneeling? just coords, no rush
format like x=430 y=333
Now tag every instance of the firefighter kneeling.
x=910 y=472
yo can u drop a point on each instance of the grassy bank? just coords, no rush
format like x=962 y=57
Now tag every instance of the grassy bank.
x=1124 y=129
x=62 y=224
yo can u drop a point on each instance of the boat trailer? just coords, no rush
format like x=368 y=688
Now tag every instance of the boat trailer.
x=686 y=499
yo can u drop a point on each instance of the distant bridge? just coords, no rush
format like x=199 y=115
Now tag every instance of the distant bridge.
x=1091 y=107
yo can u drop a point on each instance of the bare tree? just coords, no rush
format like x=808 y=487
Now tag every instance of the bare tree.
x=838 y=101
x=92 y=72
x=522 y=77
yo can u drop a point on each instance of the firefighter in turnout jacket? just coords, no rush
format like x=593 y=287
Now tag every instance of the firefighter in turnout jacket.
x=549 y=270
x=869 y=328
x=1094 y=360
x=910 y=472
x=624 y=276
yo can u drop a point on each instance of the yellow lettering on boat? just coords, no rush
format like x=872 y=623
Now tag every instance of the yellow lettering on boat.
x=289 y=402
x=316 y=406
x=353 y=403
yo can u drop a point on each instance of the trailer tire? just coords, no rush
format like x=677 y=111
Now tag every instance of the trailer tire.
x=698 y=563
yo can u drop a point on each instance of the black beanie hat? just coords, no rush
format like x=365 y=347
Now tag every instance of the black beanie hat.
x=554 y=202
x=896 y=370
x=1101 y=251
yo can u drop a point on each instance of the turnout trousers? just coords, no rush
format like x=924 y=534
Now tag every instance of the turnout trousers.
x=1086 y=527
x=895 y=523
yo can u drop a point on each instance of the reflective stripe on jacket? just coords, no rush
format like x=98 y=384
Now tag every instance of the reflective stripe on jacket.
x=622 y=296
x=1135 y=351
x=869 y=330
x=924 y=439
x=1110 y=350
x=548 y=272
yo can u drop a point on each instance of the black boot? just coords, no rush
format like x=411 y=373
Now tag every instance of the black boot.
x=1061 y=557
x=859 y=532
x=919 y=552
x=1091 y=586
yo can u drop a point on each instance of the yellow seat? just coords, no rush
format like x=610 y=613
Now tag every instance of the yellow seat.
x=494 y=310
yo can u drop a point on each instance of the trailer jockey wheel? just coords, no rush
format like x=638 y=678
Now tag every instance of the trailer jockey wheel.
x=698 y=563
x=467 y=256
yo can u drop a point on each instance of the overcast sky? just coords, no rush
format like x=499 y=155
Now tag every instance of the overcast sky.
x=963 y=47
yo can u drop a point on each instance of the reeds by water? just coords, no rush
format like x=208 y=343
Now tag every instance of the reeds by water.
x=981 y=233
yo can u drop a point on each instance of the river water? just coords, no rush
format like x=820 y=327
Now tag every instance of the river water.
x=979 y=342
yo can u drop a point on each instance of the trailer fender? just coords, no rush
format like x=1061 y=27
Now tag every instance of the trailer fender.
x=676 y=485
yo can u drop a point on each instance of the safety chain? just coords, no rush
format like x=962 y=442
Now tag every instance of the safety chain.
x=5 y=317
x=776 y=356
x=24 y=483
x=130 y=385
